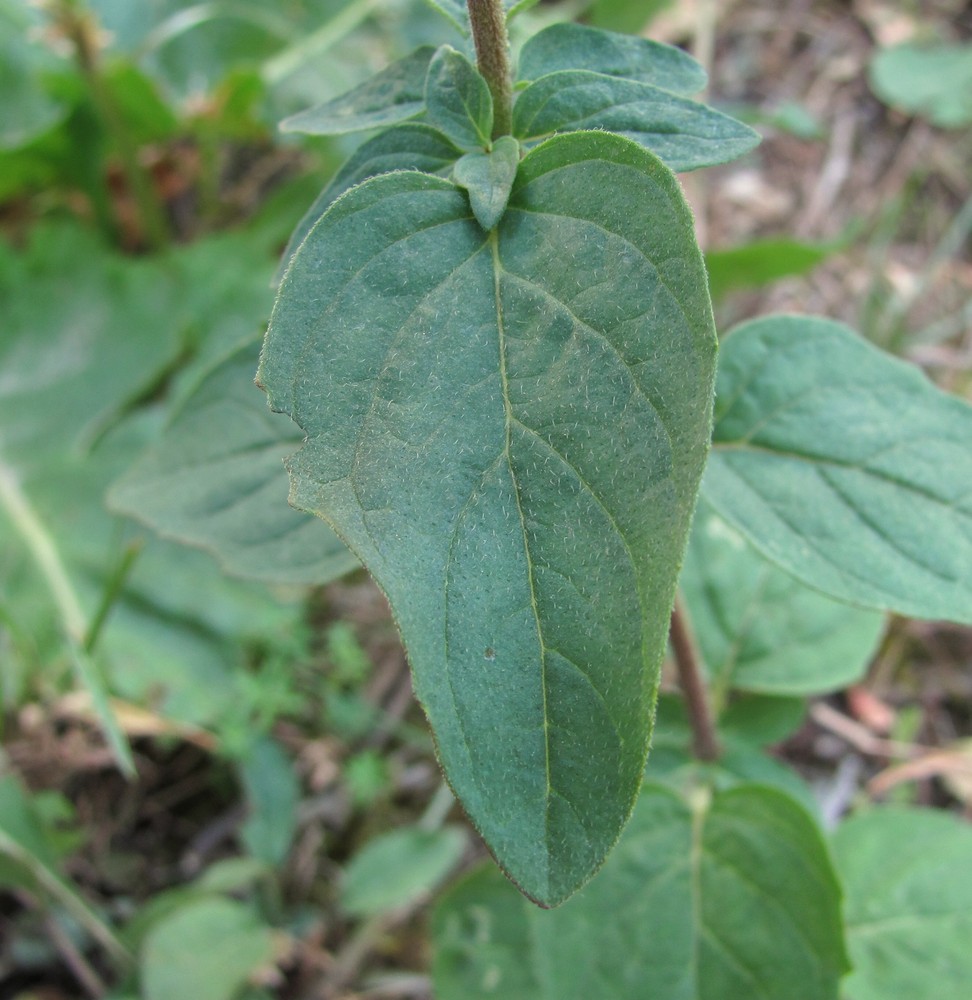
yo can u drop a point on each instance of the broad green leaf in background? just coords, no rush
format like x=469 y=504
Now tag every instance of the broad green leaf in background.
x=469 y=400
x=933 y=81
x=457 y=99
x=86 y=335
x=488 y=179
x=411 y=146
x=685 y=134
x=907 y=874
x=215 y=479
x=760 y=629
x=761 y=262
x=845 y=466
x=393 y=95
x=576 y=46
x=705 y=898
x=400 y=867
x=206 y=949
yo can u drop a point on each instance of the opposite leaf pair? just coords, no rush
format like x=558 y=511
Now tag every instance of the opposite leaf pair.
x=571 y=78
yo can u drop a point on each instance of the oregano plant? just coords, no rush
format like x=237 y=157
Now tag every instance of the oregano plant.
x=494 y=330
x=505 y=370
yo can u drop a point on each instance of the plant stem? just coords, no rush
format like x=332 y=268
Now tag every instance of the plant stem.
x=705 y=743
x=488 y=21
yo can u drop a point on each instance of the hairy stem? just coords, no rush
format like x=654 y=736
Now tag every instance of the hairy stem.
x=488 y=20
x=705 y=743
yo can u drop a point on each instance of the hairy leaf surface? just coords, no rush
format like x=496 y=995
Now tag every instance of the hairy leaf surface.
x=733 y=896
x=410 y=146
x=685 y=134
x=393 y=95
x=577 y=46
x=845 y=466
x=508 y=429
x=458 y=100
x=488 y=179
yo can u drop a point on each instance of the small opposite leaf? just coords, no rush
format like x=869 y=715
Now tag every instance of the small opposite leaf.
x=685 y=134
x=411 y=146
x=488 y=178
x=509 y=429
x=907 y=874
x=845 y=466
x=720 y=898
x=458 y=99
x=393 y=95
x=576 y=46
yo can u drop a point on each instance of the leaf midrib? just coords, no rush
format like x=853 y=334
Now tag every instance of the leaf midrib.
x=508 y=420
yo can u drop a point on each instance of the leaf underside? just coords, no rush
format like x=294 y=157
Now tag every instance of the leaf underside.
x=509 y=429
x=845 y=466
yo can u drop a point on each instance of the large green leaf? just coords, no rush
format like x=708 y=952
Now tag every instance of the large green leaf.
x=709 y=899
x=845 y=466
x=393 y=95
x=215 y=479
x=411 y=146
x=908 y=878
x=508 y=429
x=760 y=629
x=576 y=46
x=685 y=134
